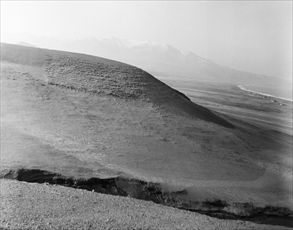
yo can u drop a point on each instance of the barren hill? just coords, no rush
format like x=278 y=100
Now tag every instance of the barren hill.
x=85 y=116
x=156 y=58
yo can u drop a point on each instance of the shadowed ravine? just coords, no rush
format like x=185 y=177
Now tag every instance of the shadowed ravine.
x=149 y=191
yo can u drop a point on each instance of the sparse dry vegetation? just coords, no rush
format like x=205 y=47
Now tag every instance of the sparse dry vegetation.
x=68 y=115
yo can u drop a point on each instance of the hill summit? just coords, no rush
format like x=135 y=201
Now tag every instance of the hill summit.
x=102 y=76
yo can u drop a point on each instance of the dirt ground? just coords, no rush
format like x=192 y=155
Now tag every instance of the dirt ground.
x=40 y=206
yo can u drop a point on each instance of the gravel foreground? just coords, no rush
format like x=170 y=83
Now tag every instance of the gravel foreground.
x=42 y=206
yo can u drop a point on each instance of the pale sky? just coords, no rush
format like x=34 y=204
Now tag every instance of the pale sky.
x=254 y=36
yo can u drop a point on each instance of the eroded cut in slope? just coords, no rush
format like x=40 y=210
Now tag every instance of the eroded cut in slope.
x=142 y=190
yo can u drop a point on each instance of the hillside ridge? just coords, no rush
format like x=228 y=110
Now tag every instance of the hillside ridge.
x=103 y=76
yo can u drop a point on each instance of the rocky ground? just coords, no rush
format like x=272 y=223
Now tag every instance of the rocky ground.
x=43 y=206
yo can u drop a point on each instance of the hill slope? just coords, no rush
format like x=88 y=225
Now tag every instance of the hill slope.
x=85 y=116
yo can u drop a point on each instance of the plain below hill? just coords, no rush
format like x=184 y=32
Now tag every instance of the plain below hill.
x=85 y=116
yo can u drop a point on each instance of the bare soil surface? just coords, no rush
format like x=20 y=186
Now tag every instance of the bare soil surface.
x=158 y=193
x=84 y=116
x=41 y=206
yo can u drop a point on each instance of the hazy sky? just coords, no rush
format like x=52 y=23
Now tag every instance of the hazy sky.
x=254 y=36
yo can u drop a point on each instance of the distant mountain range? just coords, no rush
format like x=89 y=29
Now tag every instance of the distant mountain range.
x=26 y=44
x=158 y=59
